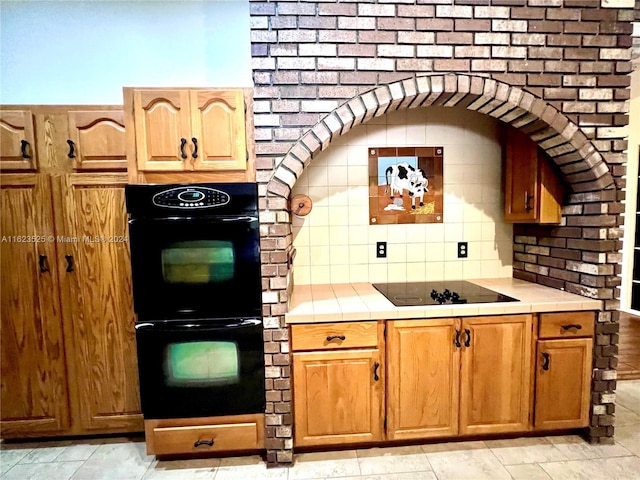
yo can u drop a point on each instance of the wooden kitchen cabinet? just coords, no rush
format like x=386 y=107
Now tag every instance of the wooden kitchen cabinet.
x=563 y=370
x=97 y=139
x=423 y=377
x=68 y=342
x=458 y=376
x=17 y=140
x=495 y=376
x=532 y=189
x=187 y=130
x=338 y=393
x=33 y=372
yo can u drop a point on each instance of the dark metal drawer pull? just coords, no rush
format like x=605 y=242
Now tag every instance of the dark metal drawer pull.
x=200 y=443
x=457 y=340
x=195 y=146
x=547 y=360
x=183 y=142
x=23 y=149
x=467 y=341
x=69 y=259
x=72 y=148
x=44 y=264
x=336 y=337
x=572 y=325
x=376 y=365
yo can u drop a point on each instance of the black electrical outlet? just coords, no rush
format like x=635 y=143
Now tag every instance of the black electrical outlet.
x=381 y=249
x=463 y=250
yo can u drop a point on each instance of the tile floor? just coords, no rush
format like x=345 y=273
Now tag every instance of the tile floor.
x=556 y=457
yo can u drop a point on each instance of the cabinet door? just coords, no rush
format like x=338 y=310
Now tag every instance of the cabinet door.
x=97 y=140
x=337 y=397
x=496 y=374
x=521 y=178
x=217 y=124
x=17 y=140
x=33 y=379
x=423 y=369
x=100 y=319
x=563 y=383
x=162 y=130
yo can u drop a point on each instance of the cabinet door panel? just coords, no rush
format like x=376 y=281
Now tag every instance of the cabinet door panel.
x=16 y=127
x=336 y=397
x=521 y=177
x=563 y=387
x=423 y=378
x=99 y=139
x=496 y=374
x=101 y=327
x=161 y=121
x=34 y=383
x=218 y=124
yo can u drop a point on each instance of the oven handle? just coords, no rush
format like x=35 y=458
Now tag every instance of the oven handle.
x=210 y=326
x=204 y=219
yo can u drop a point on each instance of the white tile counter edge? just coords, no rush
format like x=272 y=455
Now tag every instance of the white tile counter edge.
x=361 y=301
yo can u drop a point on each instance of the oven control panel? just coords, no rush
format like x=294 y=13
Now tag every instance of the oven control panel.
x=190 y=198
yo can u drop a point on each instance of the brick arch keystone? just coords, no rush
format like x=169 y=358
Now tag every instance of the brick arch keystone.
x=583 y=167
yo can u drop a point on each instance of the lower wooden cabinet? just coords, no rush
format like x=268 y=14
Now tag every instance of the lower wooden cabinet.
x=563 y=370
x=204 y=434
x=338 y=397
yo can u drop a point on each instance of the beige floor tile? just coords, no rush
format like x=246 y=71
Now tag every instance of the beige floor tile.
x=376 y=461
x=516 y=451
x=467 y=464
x=628 y=395
x=42 y=471
x=324 y=465
x=527 y=471
x=629 y=438
x=115 y=461
x=9 y=457
x=392 y=476
x=249 y=467
x=625 y=417
x=621 y=468
x=46 y=452
x=575 y=447
x=192 y=469
x=79 y=451
x=453 y=446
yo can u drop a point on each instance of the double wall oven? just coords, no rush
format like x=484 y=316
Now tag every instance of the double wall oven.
x=195 y=256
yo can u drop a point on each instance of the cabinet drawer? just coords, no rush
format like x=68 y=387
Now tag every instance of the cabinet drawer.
x=327 y=336
x=566 y=325
x=169 y=437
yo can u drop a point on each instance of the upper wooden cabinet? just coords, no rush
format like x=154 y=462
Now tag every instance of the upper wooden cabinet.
x=533 y=191
x=186 y=130
x=17 y=140
x=97 y=140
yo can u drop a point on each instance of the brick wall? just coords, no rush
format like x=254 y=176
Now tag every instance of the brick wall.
x=557 y=69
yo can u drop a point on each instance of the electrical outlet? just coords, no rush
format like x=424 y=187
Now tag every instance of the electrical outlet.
x=463 y=250
x=381 y=249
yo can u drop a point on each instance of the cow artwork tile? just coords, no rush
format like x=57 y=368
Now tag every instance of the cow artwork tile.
x=405 y=185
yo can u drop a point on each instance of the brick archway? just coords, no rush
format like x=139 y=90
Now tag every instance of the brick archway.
x=563 y=141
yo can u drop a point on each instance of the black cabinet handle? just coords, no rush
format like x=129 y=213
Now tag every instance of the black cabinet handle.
x=467 y=341
x=195 y=149
x=23 y=149
x=44 y=264
x=69 y=259
x=546 y=358
x=183 y=142
x=572 y=325
x=336 y=337
x=72 y=148
x=200 y=443
x=376 y=365
x=457 y=340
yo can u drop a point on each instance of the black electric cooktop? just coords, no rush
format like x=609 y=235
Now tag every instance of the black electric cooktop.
x=438 y=293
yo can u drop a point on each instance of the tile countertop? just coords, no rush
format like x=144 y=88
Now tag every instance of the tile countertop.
x=360 y=301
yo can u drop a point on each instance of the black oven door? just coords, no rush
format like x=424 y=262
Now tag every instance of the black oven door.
x=196 y=267
x=201 y=368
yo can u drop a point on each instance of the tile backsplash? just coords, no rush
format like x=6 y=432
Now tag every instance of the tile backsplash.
x=336 y=244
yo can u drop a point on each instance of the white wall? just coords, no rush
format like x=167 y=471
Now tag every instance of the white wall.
x=336 y=244
x=75 y=52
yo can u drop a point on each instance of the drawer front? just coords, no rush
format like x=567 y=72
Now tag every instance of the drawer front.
x=566 y=325
x=205 y=438
x=328 y=336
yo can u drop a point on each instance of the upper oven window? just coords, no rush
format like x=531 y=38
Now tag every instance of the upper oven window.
x=198 y=262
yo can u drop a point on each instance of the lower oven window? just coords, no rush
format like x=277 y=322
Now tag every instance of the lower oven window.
x=201 y=364
x=198 y=262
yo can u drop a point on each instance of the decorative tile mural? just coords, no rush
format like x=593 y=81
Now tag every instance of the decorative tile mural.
x=405 y=185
